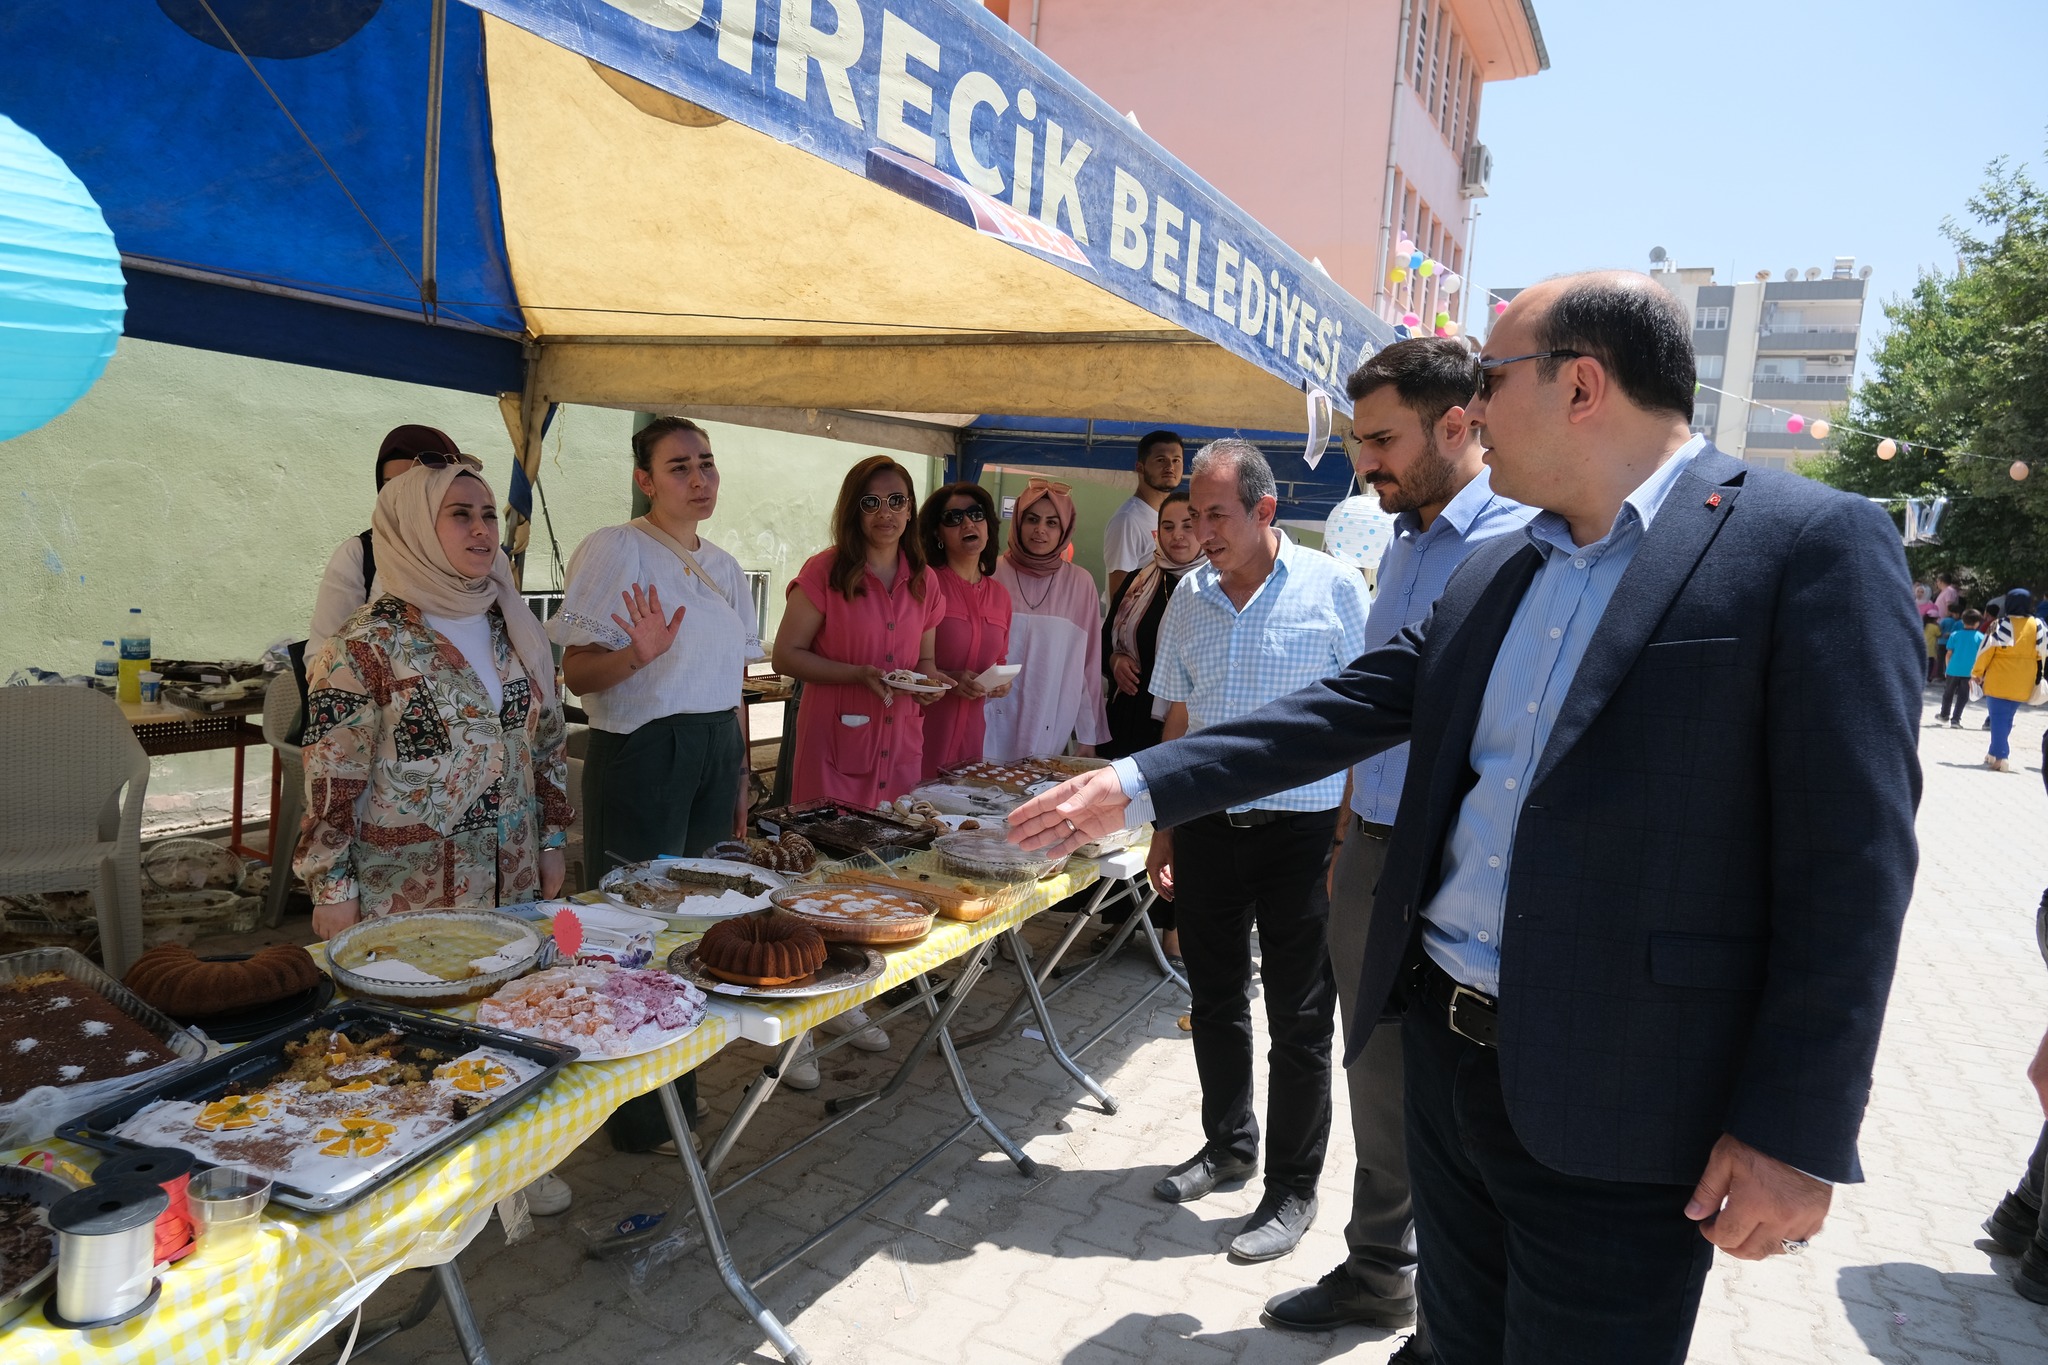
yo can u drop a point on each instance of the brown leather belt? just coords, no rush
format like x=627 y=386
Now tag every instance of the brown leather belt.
x=1466 y=1012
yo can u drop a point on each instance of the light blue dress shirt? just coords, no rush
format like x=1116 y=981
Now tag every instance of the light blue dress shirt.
x=1538 y=659
x=1306 y=622
x=1412 y=575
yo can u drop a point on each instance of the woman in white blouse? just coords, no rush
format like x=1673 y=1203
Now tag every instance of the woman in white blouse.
x=657 y=629
x=1055 y=633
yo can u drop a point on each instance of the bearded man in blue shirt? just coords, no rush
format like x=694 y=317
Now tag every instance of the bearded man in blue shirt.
x=1642 y=904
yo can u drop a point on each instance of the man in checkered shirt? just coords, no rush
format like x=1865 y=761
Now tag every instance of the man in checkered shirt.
x=1260 y=619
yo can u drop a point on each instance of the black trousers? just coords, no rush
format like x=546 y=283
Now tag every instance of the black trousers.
x=1522 y=1264
x=1955 y=692
x=1226 y=881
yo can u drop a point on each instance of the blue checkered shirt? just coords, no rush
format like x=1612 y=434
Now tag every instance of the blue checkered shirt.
x=1304 y=624
x=1412 y=576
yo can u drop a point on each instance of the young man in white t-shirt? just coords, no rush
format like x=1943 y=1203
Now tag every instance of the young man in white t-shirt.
x=1127 y=539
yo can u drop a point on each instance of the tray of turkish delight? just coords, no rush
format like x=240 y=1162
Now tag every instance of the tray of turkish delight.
x=334 y=1107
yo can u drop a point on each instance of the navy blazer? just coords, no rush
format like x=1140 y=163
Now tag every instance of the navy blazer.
x=1712 y=865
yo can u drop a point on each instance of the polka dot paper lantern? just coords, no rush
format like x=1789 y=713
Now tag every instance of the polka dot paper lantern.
x=1358 y=531
x=61 y=290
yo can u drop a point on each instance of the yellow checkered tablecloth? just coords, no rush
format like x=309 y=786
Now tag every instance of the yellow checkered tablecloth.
x=271 y=1303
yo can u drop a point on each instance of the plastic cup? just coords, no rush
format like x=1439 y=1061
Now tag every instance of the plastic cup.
x=227 y=1207
x=152 y=685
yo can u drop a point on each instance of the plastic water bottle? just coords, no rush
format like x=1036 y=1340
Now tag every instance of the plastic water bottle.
x=135 y=656
x=106 y=673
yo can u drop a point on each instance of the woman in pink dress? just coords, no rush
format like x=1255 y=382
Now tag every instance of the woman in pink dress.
x=957 y=530
x=1055 y=633
x=863 y=608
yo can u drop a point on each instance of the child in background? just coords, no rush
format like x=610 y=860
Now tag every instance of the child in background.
x=1963 y=644
x=1931 y=628
x=1951 y=622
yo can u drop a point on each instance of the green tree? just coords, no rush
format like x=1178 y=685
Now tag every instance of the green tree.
x=1963 y=367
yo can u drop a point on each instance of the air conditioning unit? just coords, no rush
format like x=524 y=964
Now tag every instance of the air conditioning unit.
x=1478 y=170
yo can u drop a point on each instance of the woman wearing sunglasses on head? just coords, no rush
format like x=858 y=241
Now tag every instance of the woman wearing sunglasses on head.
x=350 y=578
x=434 y=746
x=957 y=529
x=863 y=608
x=1056 y=634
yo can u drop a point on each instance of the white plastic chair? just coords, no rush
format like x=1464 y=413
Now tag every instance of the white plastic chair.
x=72 y=780
x=281 y=711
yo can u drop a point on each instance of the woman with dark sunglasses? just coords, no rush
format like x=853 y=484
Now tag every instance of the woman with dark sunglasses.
x=957 y=529
x=865 y=607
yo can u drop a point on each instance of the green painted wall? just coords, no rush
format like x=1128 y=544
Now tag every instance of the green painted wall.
x=211 y=489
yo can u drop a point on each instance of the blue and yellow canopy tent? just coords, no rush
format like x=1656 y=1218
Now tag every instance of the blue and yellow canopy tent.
x=767 y=204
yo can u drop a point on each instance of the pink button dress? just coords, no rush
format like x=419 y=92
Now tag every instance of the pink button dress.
x=974 y=634
x=849 y=746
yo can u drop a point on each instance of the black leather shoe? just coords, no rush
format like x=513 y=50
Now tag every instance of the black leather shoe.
x=1275 y=1227
x=1334 y=1301
x=2030 y=1277
x=1200 y=1174
x=2011 y=1225
x=1413 y=1352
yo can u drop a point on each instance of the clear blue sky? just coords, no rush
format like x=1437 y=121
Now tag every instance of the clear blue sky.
x=1758 y=134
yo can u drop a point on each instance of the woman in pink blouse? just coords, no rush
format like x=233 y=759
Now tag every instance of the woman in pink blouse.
x=1055 y=633
x=865 y=607
x=957 y=529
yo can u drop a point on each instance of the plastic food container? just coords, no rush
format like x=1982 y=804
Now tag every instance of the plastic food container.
x=227 y=1207
x=988 y=853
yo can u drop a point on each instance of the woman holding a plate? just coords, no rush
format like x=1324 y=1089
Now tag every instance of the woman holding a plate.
x=1055 y=633
x=958 y=530
x=865 y=607
x=657 y=628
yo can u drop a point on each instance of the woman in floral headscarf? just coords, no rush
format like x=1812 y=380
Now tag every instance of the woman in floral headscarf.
x=1055 y=633
x=434 y=742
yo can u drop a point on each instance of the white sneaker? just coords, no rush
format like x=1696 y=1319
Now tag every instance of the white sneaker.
x=801 y=1074
x=866 y=1036
x=548 y=1196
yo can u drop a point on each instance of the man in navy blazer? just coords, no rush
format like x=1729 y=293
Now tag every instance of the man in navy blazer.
x=1642 y=903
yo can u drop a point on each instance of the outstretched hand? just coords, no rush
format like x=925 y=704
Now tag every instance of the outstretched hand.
x=648 y=634
x=1076 y=812
x=1749 y=1204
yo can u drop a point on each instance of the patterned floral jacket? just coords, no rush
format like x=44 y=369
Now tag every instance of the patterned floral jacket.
x=418 y=795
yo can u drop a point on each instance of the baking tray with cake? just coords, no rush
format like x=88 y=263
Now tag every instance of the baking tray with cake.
x=334 y=1107
x=67 y=1025
x=842 y=829
x=28 y=1248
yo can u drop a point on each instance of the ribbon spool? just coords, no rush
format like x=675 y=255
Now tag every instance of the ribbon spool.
x=106 y=1253
x=170 y=1170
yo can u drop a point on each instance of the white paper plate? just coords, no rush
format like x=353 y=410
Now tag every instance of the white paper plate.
x=995 y=675
x=693 y=907
x=925 y=689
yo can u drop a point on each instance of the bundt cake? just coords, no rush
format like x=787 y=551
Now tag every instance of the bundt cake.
x=185 y=986
x=764 y=949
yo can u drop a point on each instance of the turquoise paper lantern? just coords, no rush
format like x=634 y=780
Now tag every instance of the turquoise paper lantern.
x=61 y=291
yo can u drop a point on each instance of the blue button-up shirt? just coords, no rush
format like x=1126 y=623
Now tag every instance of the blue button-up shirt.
x=1303 y=624
x=1538 y=659
x=1412 y=575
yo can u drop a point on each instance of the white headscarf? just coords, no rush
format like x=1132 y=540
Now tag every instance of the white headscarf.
x=414 y=568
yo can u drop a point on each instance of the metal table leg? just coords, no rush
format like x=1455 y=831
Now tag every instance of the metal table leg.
x=1022 y=1000
x=444 y=1283
x=1168 y=976
x=714 y=1232
x=1052 y=1034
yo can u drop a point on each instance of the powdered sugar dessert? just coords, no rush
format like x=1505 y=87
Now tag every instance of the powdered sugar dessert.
x=604 y=1011
x=55 y=1030
x=341 y=1114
